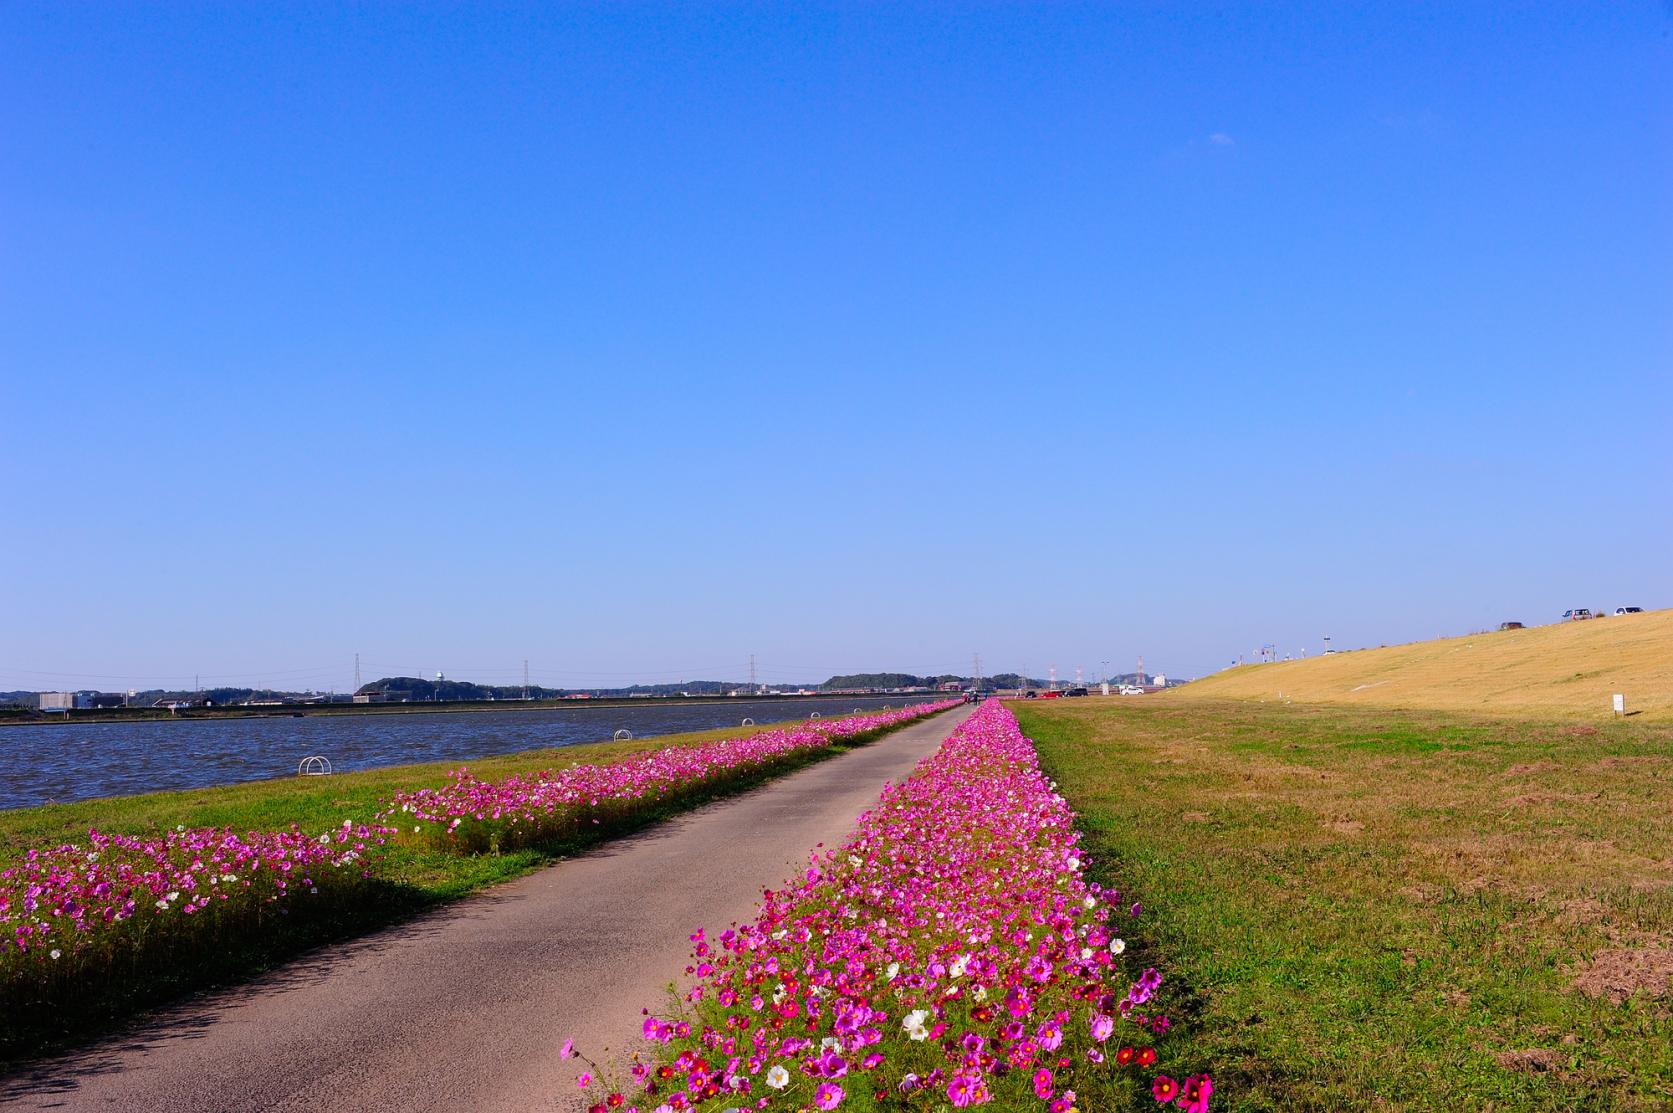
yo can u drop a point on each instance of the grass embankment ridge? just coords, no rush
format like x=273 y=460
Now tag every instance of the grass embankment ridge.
x=1565 y=670
x=1390 y=910
x=405 y=877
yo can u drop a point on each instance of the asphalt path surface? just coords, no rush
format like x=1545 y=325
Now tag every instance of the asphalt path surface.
x=465 y=1009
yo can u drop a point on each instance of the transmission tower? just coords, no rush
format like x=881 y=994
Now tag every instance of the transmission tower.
x=357 y=672
x=1140 y=678
x=976 y=671
x=1054 y=678
x=1079 y=680
x=525 y=678
x=753 y=689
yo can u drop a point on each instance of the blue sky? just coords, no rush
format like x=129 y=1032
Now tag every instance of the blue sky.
x=632 y=339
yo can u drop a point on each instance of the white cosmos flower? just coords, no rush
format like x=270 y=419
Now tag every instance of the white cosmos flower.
x=778 y=1078
x=893 y=971
x=56 y=953
x=959 y=966
x=979 y=994
x=1089 y=903
x=1117 y=946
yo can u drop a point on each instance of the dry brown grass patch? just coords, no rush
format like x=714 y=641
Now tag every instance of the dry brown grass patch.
x=1617 y=973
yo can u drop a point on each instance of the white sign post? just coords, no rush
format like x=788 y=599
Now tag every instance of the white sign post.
x=1620 y=704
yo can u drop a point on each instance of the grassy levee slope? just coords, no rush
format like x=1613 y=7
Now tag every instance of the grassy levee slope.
x=1563 y=670
x=408 y=877
x=1374 y=908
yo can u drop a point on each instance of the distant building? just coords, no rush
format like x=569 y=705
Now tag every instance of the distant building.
x=57 y=701
x=371 y=697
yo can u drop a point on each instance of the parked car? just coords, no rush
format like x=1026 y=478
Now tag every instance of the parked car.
x=1051 y=695
x=1131 y=690
x=1510 y=626
x=1576 y=615
x=1077 y=692
x=1629 y=610
x=1032 y=694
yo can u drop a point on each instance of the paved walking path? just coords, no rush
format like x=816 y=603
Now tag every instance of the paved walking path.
x=464 y=1009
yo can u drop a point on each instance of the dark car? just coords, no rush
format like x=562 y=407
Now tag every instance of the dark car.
x=1510 y=626
x=1079 y=692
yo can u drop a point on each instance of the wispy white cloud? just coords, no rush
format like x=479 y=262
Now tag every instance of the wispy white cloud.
x=1221 y=139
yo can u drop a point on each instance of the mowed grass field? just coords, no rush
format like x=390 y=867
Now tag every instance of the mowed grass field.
x=1372 y=909
x=1565 y=670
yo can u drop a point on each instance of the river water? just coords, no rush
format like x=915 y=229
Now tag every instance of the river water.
x=78 y=761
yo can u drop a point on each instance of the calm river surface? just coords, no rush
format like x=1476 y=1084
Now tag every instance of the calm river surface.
x=78 y=761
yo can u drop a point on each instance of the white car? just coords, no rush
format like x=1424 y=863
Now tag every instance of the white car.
x=1131 y=690
x=1629 y=610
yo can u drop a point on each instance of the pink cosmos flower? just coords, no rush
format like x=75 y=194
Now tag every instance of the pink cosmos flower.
x=1164 y=1089
x=1043 y=1084
x=828 y=1096
x=567 y=1049
x=1194 y=1098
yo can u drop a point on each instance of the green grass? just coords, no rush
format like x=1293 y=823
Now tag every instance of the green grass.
x=1389 y=910
x=408 y=876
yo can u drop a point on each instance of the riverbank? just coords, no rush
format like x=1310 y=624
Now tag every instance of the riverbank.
x=466 y=1008
x=404 y=878
x=80 y=761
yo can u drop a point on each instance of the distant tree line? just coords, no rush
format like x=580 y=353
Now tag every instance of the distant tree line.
x=907 y=680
